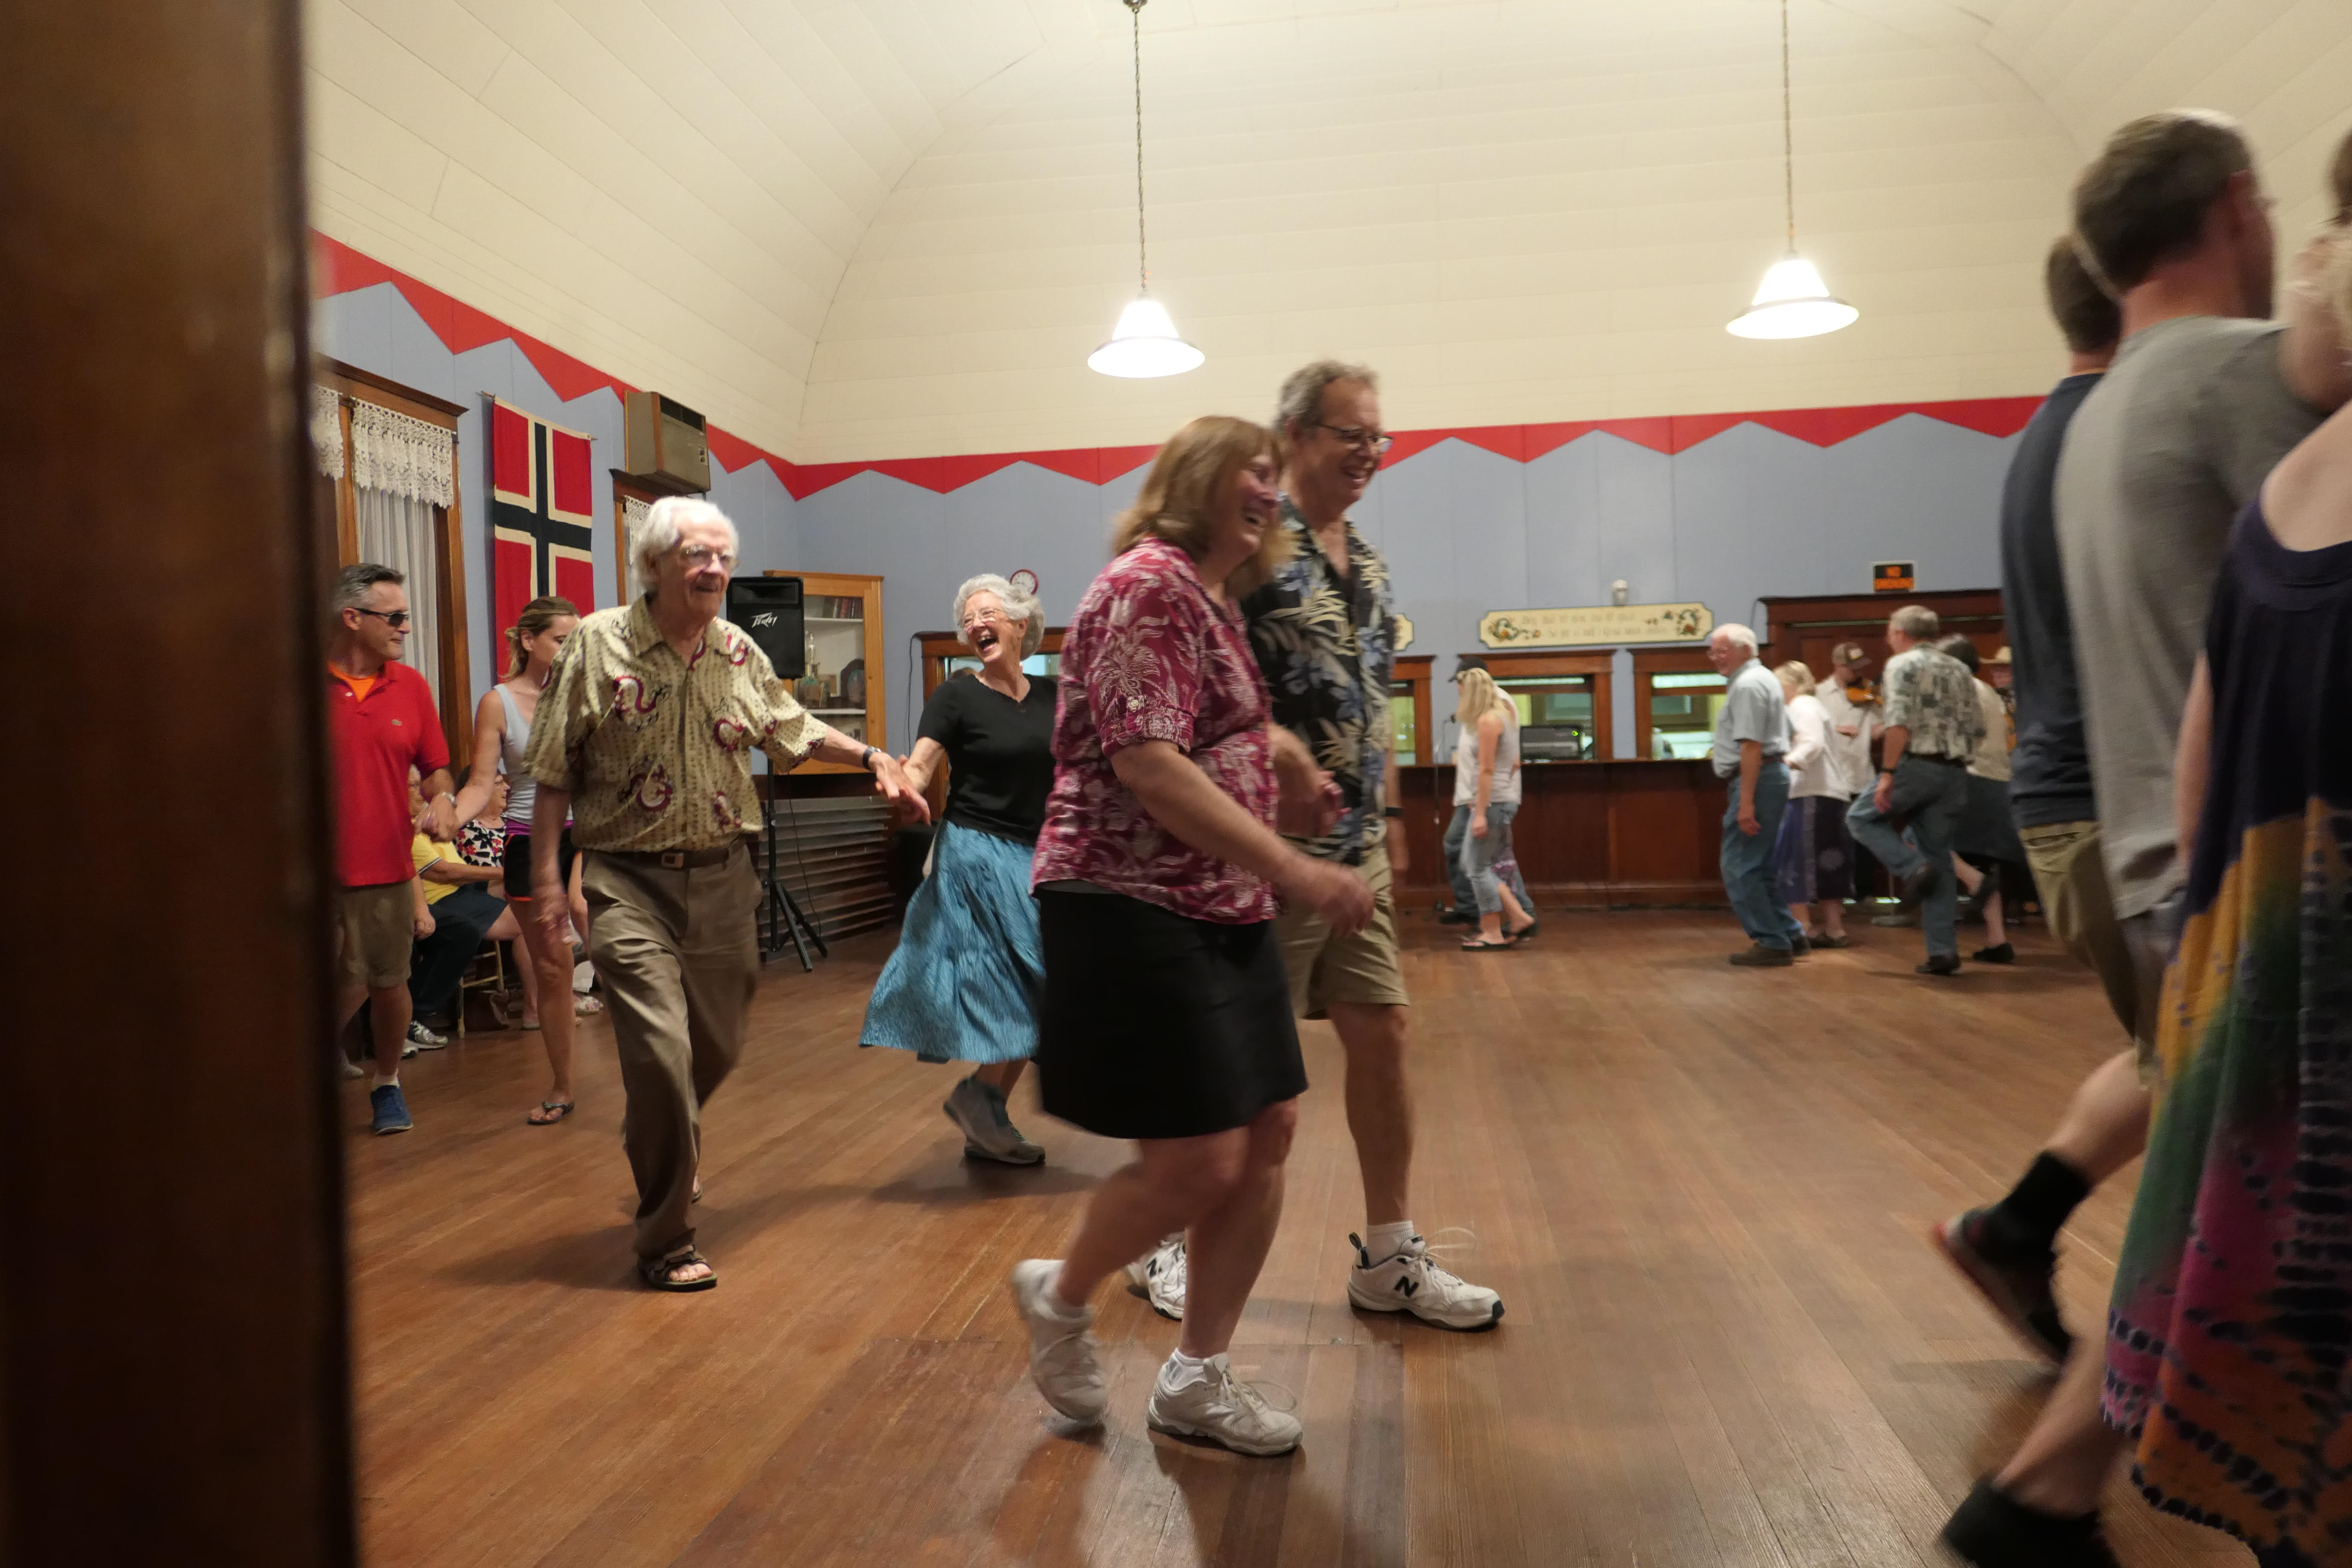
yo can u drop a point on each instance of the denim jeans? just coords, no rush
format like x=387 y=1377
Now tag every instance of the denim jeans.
x=1747 y=858
x=1506 y=865
x=1930 y=796
x=1479 y=855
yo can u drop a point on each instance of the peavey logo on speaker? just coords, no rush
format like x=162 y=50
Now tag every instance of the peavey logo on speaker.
x=764 y=618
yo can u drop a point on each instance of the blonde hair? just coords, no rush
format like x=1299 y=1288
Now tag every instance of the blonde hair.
x=530 y=622
x=1481 y=696
x=1191 y=472
x=1797 y=673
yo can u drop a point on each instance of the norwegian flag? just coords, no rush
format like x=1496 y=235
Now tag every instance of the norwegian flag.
x=542 y=507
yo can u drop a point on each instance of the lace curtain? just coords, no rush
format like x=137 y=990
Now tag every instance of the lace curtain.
x=327 y=430
x=396 y=531
x=404 y=456
x=632 y=517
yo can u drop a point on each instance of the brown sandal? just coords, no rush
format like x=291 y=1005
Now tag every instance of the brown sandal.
x=655 y=1271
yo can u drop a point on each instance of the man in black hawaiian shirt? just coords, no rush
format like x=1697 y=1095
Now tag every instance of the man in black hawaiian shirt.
x=1324 y=632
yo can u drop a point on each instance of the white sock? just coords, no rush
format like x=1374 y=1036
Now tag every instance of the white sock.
x=1182 y=1371
x=1382 y=1242
x=377 y=1080
x=1060 y=1308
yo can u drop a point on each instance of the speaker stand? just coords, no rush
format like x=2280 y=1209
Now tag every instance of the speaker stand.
x=785 y=917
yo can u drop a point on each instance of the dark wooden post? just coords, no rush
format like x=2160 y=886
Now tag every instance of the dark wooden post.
x=173 y=1374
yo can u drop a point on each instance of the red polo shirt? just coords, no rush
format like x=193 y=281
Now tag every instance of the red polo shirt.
x=375 y=740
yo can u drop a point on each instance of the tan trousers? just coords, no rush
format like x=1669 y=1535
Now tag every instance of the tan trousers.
x=679 y=957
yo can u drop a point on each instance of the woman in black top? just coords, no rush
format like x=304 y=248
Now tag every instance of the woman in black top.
x=964 y=983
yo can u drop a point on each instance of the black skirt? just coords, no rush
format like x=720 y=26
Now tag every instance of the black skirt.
x=1157 y=1025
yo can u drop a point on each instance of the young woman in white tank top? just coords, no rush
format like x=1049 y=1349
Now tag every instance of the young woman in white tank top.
x=502 y=730
x=1487 y=780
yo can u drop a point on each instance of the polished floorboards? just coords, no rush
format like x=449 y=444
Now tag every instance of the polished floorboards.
x=1702 y=1191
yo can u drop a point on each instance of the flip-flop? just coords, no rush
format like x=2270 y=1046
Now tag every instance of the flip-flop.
x=1480 y=945
x=1525 y=933
x=562 y=1108
x=655 y=1272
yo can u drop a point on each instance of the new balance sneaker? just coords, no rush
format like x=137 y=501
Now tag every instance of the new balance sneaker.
x=1159 y=1278
x=391 y=1110
x=1215 y=1404
x=978 y=1111
x=1062 y=1359
x=1410 y=1282
x=423 y=1038
x=1991 y=1530
x=2017 y=1287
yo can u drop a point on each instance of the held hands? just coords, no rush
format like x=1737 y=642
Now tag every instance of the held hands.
x=1307 y=802
x=1332 y=890
x=891 y=783
x=439 y=822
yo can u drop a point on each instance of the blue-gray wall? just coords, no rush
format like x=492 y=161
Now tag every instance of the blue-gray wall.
x=1748 y=514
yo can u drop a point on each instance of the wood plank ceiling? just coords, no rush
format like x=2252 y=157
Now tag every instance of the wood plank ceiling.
x=866 y=229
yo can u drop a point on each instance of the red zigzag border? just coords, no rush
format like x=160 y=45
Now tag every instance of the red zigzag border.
x=337 y=268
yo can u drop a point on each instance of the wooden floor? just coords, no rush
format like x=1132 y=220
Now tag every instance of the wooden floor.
x=1702 y=1192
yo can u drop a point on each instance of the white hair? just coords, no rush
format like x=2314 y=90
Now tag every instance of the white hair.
x=1737 y=635
x=1022 y=606
x=657 y=535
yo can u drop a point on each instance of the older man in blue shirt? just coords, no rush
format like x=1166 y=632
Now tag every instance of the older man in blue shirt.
x=1751 y=738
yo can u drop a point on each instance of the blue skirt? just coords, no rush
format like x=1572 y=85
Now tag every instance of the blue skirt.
x=970 y=973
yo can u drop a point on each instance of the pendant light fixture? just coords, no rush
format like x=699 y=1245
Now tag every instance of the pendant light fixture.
x=1792 y=301
x=1144 y=343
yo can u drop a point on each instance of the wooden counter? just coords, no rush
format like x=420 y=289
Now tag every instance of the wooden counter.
x=1589 y=834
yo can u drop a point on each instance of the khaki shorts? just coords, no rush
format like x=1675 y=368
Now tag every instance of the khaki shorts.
x=375 y=930
x=2126 y=955
x=1325 y=968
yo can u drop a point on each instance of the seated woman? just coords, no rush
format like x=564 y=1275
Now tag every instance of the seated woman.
x=465 y=915
x=963 y=984
x=1166 y=1015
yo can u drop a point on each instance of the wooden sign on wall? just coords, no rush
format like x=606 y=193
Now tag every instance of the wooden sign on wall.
x=1596 y=626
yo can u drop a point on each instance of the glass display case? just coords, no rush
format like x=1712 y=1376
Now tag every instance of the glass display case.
x=1678 y=695
x=1563 y=702
x=1409 y=707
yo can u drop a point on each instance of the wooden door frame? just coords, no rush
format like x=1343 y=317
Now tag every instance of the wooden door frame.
x=936 y=650
x=1601 y=665
x=1649 y=661
x=868 y=587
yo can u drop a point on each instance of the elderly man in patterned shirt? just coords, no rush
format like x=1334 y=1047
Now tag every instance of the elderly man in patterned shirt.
x=1932 y=725
x=643 y=737
x=1324 y=633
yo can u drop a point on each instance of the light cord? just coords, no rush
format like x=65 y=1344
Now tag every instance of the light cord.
x=1142 y=252
x=1788 y=131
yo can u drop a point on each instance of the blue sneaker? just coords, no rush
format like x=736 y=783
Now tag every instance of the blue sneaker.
x=391 y=1110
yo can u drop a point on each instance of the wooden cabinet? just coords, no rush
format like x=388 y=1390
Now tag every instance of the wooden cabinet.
x=1805 y=627
x=843 y=684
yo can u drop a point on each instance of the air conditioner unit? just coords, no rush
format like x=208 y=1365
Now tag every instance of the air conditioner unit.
x=664 y=443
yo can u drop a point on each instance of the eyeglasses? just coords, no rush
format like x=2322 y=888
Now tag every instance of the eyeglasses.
x=396 y=619
x=1376 y=442
x=699 y=556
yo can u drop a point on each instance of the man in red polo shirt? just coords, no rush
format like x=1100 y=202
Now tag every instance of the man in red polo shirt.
x=382 y=724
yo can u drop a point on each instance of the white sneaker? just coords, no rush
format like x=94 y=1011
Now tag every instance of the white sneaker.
x=978 y=1112
x=1062 y=1359
x=351 y=1068
x=1159 y=1278
x=1410 y=1282
x=1222 y=1408
x=423 y=1039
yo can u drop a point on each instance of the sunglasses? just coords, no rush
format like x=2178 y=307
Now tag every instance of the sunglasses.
x=396 y=619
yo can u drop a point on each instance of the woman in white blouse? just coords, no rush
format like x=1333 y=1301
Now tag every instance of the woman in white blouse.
x=1815 y=855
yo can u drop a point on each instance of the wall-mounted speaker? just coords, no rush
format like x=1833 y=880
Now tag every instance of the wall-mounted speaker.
x=769 y=610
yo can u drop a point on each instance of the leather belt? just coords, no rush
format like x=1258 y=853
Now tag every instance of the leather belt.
x=675 y=859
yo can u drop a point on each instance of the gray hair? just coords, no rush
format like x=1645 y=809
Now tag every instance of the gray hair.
x=1735 y=634
x=1917 y=622
x=1301 y=402
x=354 y=583
x=1023 y=607
x=657 y=535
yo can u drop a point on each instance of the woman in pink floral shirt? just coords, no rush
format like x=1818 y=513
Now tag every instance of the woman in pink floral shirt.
x=1167 y=1016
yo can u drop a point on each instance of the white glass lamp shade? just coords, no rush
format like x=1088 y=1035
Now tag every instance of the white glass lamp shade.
x=1145 y=343
x=1793 y=303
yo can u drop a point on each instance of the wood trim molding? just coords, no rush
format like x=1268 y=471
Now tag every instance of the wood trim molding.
x=1599 y=666
x=368 y=387
x=1651 y=661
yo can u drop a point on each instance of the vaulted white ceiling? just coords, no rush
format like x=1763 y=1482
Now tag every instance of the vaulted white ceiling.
x=868 y=228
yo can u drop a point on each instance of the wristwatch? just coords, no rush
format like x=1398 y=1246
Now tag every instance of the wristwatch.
x=867 y=761
x=1396 y=812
